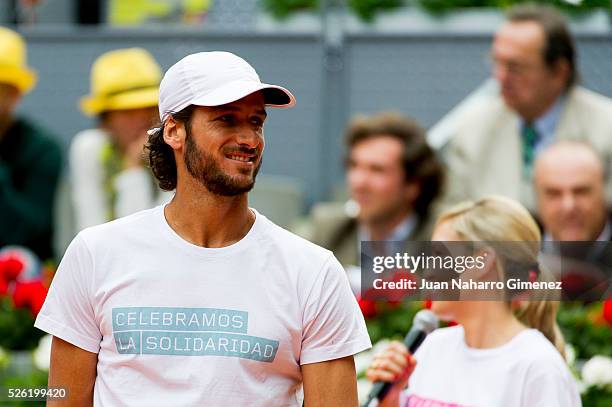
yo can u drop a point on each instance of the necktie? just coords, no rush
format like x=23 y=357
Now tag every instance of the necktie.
x=529 y=139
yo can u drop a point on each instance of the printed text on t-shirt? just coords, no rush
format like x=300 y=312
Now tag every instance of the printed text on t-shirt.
x=188 y=332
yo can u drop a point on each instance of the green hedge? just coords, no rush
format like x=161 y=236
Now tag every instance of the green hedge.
x=367 y=9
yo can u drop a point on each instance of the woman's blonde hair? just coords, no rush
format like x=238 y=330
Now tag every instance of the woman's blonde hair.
x=498 y=219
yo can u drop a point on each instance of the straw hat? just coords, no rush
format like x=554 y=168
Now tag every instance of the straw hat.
x=122 y=79
x=13 y=65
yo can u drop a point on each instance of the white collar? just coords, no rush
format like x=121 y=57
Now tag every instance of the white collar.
x=604 y=236
x=401 y=232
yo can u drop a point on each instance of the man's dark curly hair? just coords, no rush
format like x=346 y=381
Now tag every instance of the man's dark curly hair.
x=161 y=155
x=419 y=160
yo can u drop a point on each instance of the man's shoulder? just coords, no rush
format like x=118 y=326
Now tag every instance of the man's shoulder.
x=425 y=225
x=290 y=243
x=483 y=111
x=590 y=101
x=330 y=211
x=587 y=115
x=114 y=231
x=483 y=117
x=88 y=140
x=37 y=136
x=327 y=220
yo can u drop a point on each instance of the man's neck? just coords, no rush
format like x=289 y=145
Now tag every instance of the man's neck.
x=208 y=220
x=381 y=229
x=534 y=114
x=603 y=234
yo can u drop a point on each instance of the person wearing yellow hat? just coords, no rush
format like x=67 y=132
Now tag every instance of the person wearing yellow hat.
x=108 y=174
x=30 y=159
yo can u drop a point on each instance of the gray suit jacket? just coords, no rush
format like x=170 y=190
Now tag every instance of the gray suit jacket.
x=484 y=156
x=330 y=227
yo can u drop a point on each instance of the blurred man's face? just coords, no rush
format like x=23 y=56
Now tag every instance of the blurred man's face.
x=130 y=125
x=9 y=98
x=376 y=179
x=528 y=86
x=569 y=184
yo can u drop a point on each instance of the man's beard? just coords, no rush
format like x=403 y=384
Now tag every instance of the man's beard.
x=203 y=167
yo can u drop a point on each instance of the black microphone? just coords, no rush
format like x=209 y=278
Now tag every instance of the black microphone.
x=423 y=324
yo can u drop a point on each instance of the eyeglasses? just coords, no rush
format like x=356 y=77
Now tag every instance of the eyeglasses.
x=513 y=68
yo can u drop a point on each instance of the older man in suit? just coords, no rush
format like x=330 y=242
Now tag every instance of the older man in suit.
x=569 y=179
x=494 y=147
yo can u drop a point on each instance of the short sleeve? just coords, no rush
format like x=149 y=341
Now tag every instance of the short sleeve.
x=68 y=312
x=547 y=385
x=333 y=326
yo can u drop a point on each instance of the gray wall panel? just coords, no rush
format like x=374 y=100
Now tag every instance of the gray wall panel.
x=595 y=62
x=63 y=63
x=423 y=76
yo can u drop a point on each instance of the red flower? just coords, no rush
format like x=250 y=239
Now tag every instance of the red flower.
x=368 y=307
x=392 y=296
x=30 y=294
x=607 y=310
x=11 y=266
x=3 y=287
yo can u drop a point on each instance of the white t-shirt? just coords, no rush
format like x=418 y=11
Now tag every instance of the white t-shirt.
x=175 y=324
x=527 y=371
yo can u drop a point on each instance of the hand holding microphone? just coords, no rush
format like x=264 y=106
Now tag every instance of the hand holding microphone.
x=391 y=368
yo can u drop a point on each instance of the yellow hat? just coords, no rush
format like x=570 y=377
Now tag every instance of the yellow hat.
x=122 y=79
x=13 y=65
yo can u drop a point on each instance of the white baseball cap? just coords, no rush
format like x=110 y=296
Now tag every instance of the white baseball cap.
x=213 y=79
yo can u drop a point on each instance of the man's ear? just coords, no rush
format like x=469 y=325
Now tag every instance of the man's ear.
x=561 y=70
x=13 y=98
x=174 y=133
x=16 y=98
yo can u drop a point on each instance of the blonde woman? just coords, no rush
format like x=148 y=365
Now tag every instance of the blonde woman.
x=494 y=357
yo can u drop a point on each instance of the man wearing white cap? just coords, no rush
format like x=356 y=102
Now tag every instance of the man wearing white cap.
x=204 y=301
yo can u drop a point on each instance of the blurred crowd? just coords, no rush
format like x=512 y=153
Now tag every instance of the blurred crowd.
x=543 y=140
x=113 y=12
